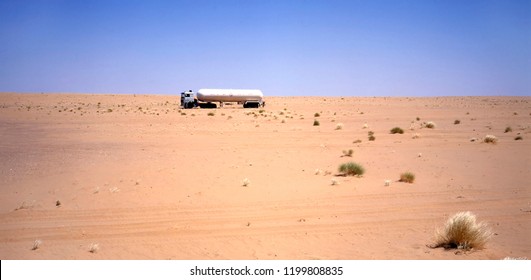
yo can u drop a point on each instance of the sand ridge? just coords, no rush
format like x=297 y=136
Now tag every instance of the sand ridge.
x=145 y=179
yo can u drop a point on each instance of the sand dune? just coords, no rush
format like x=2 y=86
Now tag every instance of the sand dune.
x=144 y=179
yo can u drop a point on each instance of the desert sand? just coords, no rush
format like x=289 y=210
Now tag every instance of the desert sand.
x=135 y=177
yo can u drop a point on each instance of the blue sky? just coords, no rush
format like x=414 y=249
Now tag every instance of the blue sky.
x=328 y=48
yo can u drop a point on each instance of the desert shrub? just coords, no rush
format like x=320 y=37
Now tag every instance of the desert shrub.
x=518 y=138
x=490 y=139
x=463 y=232
x=316 y=123
x=211 y=114
x=36 y=244
x=396 y=130
x=430 y=125
x=351 y=169
x=371 y=135
x=246 y=182
x=356 y=141
x=508 y=129
x=457 y=122
x=94 y=247
x=316 y=115
x=339 y=126
x=348 y=153
x=25 y=205
x=407 y=177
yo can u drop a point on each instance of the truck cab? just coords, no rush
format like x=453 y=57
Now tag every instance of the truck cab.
x=188 y=99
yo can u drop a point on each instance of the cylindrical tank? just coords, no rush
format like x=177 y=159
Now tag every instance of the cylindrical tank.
x=229 y=95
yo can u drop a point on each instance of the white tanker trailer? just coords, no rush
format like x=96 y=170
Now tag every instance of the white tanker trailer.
x=205 y=98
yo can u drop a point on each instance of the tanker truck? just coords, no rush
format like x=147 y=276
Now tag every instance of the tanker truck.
x=207 y=98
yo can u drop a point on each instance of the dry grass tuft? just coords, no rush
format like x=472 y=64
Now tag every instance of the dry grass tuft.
x=407 y=177
x=397 y=130
x=463 y=232
x=351 y=169
x=490 y=139
x=25 y=205
x=94 y=247
x=429 y=125
x=246 y=182
x=347 y=153
x=36 y=244
x=371 y=135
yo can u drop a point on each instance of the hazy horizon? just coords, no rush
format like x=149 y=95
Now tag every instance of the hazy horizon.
x=284 y=48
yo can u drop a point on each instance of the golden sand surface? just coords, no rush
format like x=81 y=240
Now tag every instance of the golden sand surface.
x=136 y=177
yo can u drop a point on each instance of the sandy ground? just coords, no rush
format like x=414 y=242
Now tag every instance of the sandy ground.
x=143 y=179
